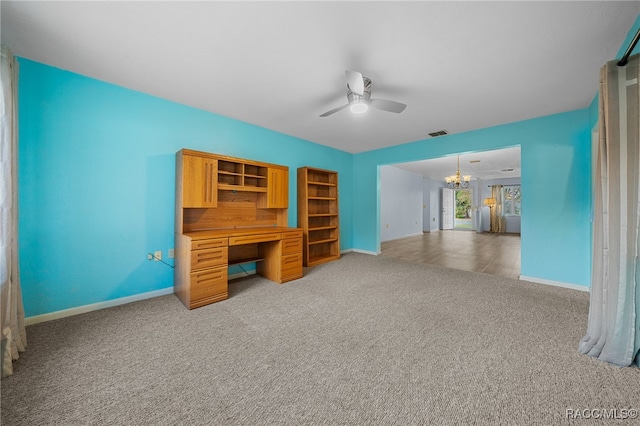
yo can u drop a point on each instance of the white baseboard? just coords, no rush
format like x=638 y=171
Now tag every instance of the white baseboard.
x=373 y=253
x=110 y=303
x=169 y=290
x=404 y=236
x=96 y=306
x=554 y=283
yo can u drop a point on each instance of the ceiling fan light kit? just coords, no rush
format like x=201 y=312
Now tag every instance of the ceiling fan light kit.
x=359 y=97
x=358 y=107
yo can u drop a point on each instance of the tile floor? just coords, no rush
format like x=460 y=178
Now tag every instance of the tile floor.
x=496 y=254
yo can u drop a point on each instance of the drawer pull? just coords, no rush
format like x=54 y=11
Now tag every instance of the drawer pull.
x=205 y=276
x=292 y=245
x=208 y=288
x=201 y=259
x=292 y=234
x=204 y=244
x=248 y=239
x=209 y=256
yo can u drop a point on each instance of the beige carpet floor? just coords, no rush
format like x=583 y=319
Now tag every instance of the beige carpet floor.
x=363 y=340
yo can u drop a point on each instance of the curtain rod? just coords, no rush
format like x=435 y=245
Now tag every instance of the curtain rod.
x=625 y=58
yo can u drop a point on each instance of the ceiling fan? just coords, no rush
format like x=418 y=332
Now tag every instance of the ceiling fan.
x=359 y=97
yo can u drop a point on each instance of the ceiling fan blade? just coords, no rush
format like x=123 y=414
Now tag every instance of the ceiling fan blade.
x=334 y=110
x=390 y=106
x=355 y=82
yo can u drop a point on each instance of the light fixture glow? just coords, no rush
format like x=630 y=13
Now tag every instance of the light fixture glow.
x=490 y=202
x=359 y=107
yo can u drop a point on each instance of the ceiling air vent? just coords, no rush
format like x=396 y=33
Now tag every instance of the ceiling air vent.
x=438 y=133
x=506 y=170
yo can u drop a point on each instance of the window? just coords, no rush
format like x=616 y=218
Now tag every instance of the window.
x=511 y=200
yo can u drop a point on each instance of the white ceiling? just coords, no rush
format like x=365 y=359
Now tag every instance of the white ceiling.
x=485 y=165
x=458 y=66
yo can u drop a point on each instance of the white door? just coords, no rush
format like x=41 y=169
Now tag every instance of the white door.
x=447 y=208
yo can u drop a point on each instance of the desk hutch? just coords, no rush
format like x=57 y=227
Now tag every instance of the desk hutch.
x=230 y=211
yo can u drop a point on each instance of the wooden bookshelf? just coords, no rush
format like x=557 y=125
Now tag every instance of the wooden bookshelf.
x=318 y=215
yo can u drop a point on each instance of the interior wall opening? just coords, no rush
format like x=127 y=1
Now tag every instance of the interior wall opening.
x=470 y=209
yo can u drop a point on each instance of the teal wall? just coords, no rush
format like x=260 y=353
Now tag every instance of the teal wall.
x=627 y=41
x=556 y=156
x=96 y=177
x=96 y=183
x=593 y=108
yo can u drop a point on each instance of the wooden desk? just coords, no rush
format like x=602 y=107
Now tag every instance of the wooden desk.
x=230 y=211
x=203 y=258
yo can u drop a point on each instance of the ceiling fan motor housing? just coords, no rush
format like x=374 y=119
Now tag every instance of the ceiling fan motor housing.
x=359 y=97
x=366 y=94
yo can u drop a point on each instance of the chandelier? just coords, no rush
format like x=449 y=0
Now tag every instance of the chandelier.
x=457 y=181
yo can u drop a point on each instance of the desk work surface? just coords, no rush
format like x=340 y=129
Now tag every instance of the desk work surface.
x=237 y=232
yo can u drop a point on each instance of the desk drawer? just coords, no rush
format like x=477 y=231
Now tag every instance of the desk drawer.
x=209 y=257
x=249 y=239
x=208 y=283
x=291 y=234
x=209 y=243
x=291 y=267
x=292 y=245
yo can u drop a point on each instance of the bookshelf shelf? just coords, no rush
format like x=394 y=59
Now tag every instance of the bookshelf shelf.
x=318 y=215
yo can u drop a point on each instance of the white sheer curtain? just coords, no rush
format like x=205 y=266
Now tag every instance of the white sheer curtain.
x=612 y=332
x=498 y=221
x=14 y=339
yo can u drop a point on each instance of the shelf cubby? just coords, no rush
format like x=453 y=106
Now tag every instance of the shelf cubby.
x=236 y=176
x=318 y=215
x=230 y=167
x=322 y=221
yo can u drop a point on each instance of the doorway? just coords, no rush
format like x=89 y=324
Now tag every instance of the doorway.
x=457 y=209
x=463 y=215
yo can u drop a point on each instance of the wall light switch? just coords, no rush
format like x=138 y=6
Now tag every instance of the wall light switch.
x=171 y=253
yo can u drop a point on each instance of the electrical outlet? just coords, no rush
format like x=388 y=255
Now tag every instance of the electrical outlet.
x=149 y=256
x=171 y=254
x=157 y=256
